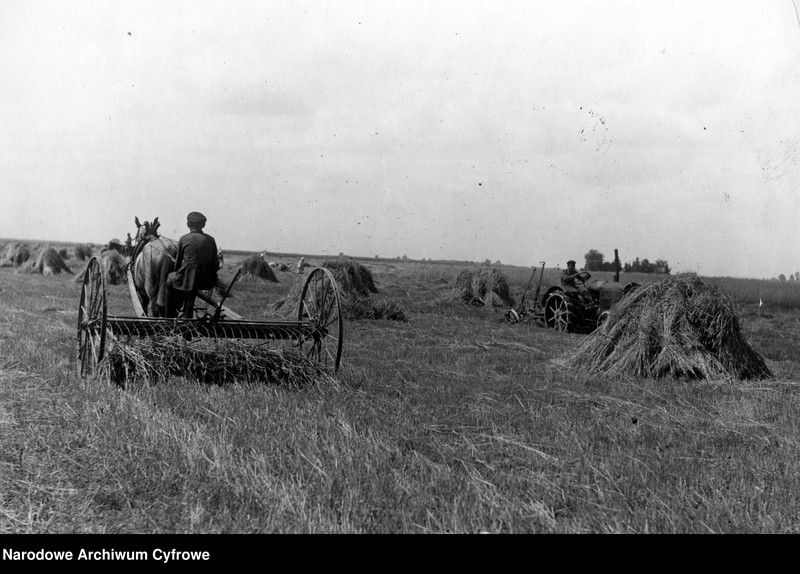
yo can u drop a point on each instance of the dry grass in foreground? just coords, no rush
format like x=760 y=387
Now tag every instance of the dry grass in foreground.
x=452 y=422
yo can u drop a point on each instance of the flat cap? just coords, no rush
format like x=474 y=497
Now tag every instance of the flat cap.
x=196 y=218
x=571 y=262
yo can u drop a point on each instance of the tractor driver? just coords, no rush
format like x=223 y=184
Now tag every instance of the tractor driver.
x=196 y=267
x=571 y=279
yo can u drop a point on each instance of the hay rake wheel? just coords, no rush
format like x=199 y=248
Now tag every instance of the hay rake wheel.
x=92 y=318
x=320 y=306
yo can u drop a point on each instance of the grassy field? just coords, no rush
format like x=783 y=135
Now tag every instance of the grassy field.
x=452 y=421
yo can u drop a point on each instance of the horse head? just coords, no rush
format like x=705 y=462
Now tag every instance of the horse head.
x=146 y=230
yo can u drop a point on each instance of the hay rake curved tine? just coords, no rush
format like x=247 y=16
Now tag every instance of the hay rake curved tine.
x=318 y=332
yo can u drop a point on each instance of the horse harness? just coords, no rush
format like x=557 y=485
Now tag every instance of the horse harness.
x=151 y=239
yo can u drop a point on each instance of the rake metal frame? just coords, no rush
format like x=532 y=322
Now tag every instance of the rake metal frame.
x=317 y=333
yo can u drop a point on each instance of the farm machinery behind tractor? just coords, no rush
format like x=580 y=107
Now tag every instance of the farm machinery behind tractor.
x=567 y=309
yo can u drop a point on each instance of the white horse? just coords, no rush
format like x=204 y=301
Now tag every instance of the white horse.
x=153 y=258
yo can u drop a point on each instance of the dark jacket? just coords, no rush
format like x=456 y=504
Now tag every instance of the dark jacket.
x=197 y=262
x=568 y=278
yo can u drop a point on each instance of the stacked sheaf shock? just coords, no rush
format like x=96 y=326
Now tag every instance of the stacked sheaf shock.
x=678 y=328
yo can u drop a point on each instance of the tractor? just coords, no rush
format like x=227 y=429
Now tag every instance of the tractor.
x=571 y=310
x=582 y=310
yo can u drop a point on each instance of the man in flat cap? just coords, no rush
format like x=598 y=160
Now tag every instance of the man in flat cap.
x=196 y=267
x=572 y=280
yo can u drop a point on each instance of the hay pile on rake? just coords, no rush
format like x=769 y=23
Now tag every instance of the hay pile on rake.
x=209 y=361
x=46 y=261
x=483 y=287
x=678 y=328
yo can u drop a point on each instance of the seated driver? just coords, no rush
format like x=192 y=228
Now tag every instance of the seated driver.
x=570 y=279
x=195 y=267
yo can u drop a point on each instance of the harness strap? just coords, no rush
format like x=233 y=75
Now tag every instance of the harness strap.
x=144 y=241
x=163 y=248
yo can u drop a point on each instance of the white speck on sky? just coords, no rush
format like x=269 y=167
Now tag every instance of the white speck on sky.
x=517 y=131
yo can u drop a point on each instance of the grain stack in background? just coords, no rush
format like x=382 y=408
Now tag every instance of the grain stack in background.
x=15 y=254
x=256 y=267
x=351 y=276
x=114 y=265
x=678 y=328
x=357 y=289
x=357 y=293
x=484 y=286
x=46 y=261
x=83 y=251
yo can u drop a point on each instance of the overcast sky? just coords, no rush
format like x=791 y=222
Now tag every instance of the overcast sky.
x=514 y=131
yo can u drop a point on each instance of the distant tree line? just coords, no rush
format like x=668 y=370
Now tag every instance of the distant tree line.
x=792 y=277
x=595 y=261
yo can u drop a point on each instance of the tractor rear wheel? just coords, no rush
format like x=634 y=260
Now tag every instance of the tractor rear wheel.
x=560 y=313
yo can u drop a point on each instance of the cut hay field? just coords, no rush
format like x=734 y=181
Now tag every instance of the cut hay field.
x=449 y=421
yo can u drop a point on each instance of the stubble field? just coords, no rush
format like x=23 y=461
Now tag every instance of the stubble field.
x=453 y=421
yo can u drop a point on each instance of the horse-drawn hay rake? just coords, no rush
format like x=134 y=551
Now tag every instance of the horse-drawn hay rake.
x=316 y=335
